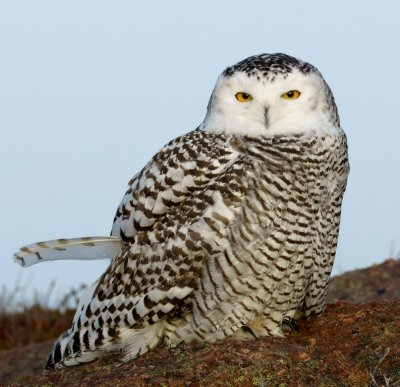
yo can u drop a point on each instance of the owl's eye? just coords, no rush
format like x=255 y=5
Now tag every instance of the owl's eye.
x=292 y=94
x=243 y=97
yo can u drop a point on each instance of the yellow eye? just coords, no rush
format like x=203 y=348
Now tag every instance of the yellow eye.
x=243 y=97
x=292 y=94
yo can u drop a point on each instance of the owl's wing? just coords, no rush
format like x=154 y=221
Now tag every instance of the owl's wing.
x=174 y=215
x=185 y=165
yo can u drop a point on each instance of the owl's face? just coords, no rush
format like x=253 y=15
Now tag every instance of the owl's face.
x=270 y=94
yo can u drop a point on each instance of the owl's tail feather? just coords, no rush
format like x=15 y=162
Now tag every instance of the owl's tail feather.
x=73 y=348
x=86 y=345
x=87 y=248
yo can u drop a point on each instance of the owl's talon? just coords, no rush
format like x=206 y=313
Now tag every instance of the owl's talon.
x=247 y=329
x=291 y=324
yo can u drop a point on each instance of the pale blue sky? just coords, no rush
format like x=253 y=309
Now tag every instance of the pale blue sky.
x=90 y=90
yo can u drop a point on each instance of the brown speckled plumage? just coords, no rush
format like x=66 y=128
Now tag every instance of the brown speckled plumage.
x=224 y=229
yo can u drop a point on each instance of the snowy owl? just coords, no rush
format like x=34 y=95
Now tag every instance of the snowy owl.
x=229 y=231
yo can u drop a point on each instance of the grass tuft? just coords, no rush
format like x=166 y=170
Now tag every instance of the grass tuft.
x=24 y=321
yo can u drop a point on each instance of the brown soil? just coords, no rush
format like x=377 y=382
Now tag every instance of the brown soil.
x=350 y=344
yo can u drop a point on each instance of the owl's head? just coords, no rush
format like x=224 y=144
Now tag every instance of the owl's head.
x=270 y=94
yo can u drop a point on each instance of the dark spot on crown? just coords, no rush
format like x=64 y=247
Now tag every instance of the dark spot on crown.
x=269 y=65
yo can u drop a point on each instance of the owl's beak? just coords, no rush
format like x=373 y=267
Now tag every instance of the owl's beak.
x=266 y=116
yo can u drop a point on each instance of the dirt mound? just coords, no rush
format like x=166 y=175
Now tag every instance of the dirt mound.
x=351 y=344
x=378 y=282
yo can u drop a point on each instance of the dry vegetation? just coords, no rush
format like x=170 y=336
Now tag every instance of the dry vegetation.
x=33 y=324
x=24 y=322
x=354 y=343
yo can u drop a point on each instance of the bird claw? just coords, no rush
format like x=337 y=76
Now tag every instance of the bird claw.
x=247 y=329
x=291 y=324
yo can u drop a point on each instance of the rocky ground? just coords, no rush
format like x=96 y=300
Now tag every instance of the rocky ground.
x=356 y=342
